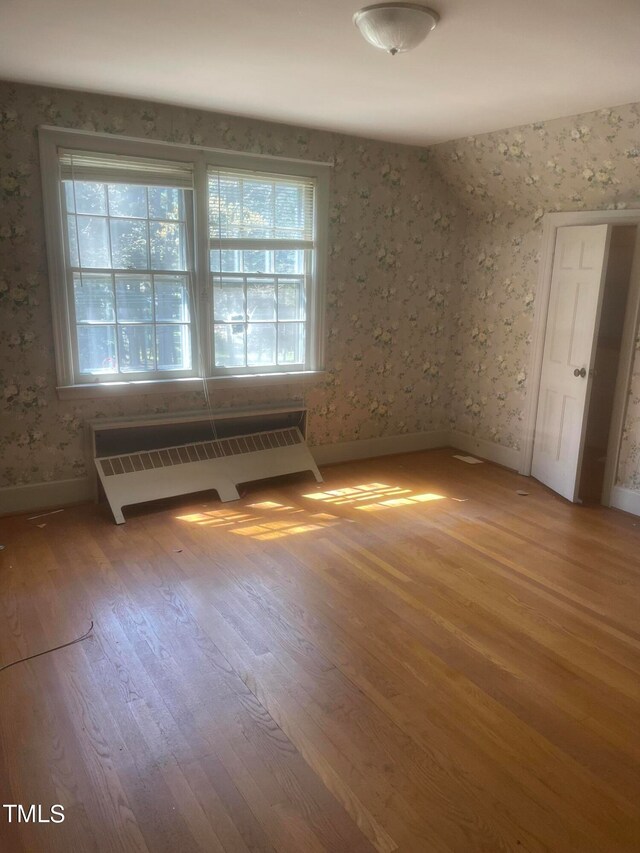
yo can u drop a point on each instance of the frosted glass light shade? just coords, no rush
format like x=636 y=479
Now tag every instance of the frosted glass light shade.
x=395 y=27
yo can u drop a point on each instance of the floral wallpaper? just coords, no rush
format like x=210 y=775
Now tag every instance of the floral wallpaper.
x=504 y=183
x=393 y=233
x=431 y=286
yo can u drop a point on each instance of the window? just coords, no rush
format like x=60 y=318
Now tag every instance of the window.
x=173 y=262
x=128 y=245
x=261 y=257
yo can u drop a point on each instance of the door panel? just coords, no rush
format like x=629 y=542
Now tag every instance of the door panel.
x=575 y=302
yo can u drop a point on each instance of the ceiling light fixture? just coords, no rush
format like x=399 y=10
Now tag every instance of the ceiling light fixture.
x=395 y=27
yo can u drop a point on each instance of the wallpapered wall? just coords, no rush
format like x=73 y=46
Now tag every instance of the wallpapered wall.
x=432 y=272
x=505 y=182
x=392 y=233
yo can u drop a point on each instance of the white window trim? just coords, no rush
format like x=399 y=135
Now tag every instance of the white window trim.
x=202 y=158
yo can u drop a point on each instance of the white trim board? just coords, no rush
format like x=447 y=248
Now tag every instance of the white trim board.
x=253 y=160
x=55 y=493
x=187 y=385
x=16 y=499
x=35 y=496
x=346 y=451
x=506 y=456
x=625 y=499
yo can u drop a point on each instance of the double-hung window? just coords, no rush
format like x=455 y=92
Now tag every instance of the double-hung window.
x=128 y=228
x=262 y=256
x=171 y=262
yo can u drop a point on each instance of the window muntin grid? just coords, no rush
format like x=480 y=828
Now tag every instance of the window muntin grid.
x=259 y=315
x=128 y=263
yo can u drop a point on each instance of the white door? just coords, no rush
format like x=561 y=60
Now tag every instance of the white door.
x=577 y=286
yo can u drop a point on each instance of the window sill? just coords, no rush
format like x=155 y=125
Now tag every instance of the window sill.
x=184 y=386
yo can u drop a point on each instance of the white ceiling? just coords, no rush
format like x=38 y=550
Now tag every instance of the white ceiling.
x=489 y=64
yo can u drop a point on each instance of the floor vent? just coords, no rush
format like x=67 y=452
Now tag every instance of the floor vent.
x=132 y=478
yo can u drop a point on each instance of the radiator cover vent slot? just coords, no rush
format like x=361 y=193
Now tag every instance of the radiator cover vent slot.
x=199 y=451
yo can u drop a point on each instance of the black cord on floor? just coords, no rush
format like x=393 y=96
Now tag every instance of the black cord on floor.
x=46 y=652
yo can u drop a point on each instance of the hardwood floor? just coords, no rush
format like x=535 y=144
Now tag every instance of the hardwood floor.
x=409 y=657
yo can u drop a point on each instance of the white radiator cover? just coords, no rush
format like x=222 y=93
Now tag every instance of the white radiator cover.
x=221 y=464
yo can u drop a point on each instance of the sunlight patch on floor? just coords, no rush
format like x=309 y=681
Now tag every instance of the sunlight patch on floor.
x=373 y=496
x=356 y=494
x=406 y=501
x=261 y=523
x=267 y=520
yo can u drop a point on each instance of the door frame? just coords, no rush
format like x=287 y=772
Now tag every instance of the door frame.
x=551 y=223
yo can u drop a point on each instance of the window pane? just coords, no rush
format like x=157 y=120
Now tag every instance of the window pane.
x=291 y=300
x=291 y=343
x=97 y=349
x=172 y=298
x=166 y=203
x=289 y=210
x=225 y=206
x=167 y=246
x=228 y=300
x=173 y=345
x=129 y=244
x=68 y=196
x=90 y=197
x=261 y=299
x=229 y=345
x=257 y=261
x=231 y=260
x=72 y=241
x=127 y=200
x=289 y=261
x=136 y=349
x=93 y=298
x=261 y=343
x=134 y=298
x=257 y=208
x=94 y=242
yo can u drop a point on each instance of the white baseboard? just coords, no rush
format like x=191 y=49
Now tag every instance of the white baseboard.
x=14 y=499
x=506 y=456
x=625 y=499
x=346 y=451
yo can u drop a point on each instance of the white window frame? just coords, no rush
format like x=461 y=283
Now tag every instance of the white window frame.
x=202 y=159
x=241 y=244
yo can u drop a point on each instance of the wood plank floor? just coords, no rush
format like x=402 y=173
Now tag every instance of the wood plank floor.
x=409 y=657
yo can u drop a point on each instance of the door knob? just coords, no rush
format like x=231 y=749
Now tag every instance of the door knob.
x=580 y=371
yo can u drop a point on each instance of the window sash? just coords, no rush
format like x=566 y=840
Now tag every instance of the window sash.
x=305 y=241
x=120 y=323
x=245 y=278
x=303 y=234
x=121 y=375
x=146 y=272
